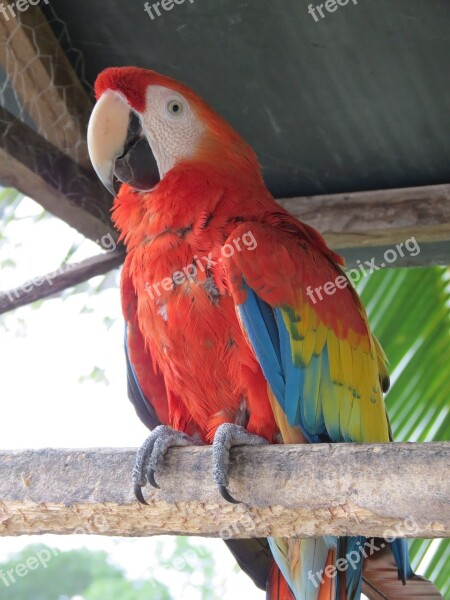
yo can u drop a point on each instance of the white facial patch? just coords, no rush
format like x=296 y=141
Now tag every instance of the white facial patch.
x=172 y=128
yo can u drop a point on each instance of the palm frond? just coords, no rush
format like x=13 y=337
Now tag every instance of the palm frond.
x=409 y=310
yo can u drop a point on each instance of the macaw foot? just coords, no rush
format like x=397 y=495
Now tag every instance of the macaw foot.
x=228 y=435
x=150 y=457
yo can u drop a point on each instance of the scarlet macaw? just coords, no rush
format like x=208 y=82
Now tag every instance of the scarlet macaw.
x=225 y=343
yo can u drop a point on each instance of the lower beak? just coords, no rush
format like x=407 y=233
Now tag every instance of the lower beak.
x=117 y=145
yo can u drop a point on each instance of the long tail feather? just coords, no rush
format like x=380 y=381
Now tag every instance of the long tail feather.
x=277 y=586
x=303 y=562
x=399 y=549
x=349 y=579
x=381 y=580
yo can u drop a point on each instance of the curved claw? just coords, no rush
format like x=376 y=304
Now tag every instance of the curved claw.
x=138 y=493
x=227 y=496
x=150 y=456
x=151 y=478
x=228 y=435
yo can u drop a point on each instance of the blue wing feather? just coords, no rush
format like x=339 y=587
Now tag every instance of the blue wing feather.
x=258 y=321
x=297 y=389
x=293 y=375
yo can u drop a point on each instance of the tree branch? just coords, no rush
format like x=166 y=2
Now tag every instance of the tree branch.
x=287 y=490
x=66 y=276
x=38 y=169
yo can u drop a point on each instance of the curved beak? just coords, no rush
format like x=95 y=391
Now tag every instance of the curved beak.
x=106 y=135
x=117 y=145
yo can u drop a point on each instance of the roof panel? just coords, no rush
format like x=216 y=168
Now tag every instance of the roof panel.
x=358 y=100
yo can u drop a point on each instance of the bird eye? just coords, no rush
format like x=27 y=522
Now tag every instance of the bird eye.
x=175 y=108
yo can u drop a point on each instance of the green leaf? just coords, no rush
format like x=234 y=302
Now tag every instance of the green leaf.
x=409 y=310
x=97 y=374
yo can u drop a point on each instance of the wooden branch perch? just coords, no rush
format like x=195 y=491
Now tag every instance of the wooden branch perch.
x=307 y=490
x=51 y=283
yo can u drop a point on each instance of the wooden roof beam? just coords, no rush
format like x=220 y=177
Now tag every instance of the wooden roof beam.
x=377 y=218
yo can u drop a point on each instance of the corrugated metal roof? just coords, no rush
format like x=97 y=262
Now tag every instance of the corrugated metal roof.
x=358 y=100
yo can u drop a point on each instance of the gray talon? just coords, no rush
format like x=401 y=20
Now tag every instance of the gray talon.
x=151 y=478
x=227 y=436
x=150 y=456
x=227 y=496
x=138 y=493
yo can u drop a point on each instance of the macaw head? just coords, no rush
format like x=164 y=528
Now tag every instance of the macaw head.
x=144 y=124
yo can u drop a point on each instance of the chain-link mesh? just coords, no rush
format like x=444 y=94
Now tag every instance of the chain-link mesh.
x=45 y=102
x=38 y=83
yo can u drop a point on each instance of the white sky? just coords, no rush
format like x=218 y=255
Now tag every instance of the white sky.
x=43 y=354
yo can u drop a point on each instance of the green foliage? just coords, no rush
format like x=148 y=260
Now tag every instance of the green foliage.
x=39 y=572
x=9 y=201
x=124 y=589
x=56 y=574
x=97 y=374
x=409 y=310
x=195 y=562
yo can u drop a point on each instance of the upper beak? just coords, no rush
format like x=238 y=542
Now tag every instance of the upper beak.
x=117 y=145
x=106 y=135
